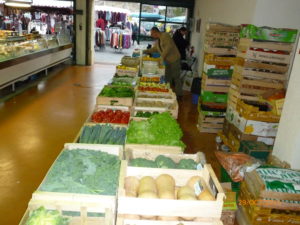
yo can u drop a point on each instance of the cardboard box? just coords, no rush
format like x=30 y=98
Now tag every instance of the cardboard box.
x=256 y=149
x=253 y=127
x=230 y=129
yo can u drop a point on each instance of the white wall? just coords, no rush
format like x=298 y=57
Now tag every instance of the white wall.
x=234 y=12
x=287 y=143
x=277 y=13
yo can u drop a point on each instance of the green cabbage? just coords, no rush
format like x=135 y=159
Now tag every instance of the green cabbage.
x=141 y=162
x=41 y=216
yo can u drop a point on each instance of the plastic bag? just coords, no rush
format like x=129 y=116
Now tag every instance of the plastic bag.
x=236 y=164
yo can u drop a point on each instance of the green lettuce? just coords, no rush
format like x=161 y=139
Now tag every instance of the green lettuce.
x=159 y=129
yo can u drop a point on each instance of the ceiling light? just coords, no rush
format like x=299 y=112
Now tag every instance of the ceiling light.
x=19 y=3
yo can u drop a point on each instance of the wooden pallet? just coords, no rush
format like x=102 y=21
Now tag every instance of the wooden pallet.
x=172 y=207
x=163 y=149
x=76 y=202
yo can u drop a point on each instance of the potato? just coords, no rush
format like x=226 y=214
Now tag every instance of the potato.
x=165 y=186
x=185 y=190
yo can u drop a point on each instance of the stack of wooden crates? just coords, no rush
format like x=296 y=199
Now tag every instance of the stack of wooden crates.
x=261 y=68
x=219 y=57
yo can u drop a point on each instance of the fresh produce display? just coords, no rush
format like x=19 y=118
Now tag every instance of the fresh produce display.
x=123 y=81
x=118 y=92
x=83 y=171
x=41 y=216
x=162 y=161
x=154 y=95
x=153 y=87
x=103 y=134
x=145 y=114
x=164 y=187
x=150 y=79
x=156 y=104
x=123 y=67
x=111 y=116
x=159 y=129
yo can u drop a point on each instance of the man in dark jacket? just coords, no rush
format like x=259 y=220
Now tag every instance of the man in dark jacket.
x=181 y=42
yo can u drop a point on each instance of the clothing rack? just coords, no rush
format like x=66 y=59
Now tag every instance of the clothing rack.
x=120 y=39
x=100 y=39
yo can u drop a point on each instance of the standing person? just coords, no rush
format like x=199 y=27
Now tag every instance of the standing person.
x=181 y=42
x=171 y=57
x=135 y=31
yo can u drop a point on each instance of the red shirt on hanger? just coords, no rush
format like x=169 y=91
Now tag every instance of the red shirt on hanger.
x=100 y=23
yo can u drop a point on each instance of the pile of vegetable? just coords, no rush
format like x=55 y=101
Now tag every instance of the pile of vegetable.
x=111 y=116
x=164 y=187
x=153 y=87
x=103 y=134
x=154 y=104
x=41 y=216
x=118 y=92
x=145 y=114
x=83 y=171
x=159 y=129
x=123 y=81
x=162 y=161
x=154 y=95
x=150 y=79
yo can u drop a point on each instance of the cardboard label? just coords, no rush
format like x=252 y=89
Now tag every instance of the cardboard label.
x=267 y=141
x=199 y=166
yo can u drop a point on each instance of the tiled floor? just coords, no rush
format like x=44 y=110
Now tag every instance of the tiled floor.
x=35 y=124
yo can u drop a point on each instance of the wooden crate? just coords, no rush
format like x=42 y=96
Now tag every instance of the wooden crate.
x=121 y=220
x=242 y=81
x=160 y=95
x=101 y=100
x=76 y=201
x=106 y=107
x=82 y=208
x=212 y=59
x=218 y=27
x=130 y=154
x=77 y=137
x=251 y=112
x=208 y=124
x=246 y=43
x=170 y=207
x=162 y=149
x=265 y=56
x=171 y=102
x=128 y=71
x=207 y=81
x=223 y=89
x=219 y=51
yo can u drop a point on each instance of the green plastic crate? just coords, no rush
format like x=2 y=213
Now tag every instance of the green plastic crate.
x=208 y=96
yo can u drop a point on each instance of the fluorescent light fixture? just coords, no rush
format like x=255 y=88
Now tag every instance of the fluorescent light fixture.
x=19 y=3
